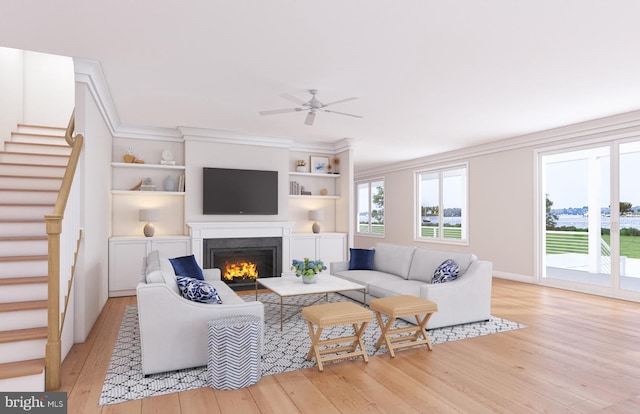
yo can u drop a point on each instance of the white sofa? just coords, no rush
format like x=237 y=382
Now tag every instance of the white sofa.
x=407 y=270
x=173 y=330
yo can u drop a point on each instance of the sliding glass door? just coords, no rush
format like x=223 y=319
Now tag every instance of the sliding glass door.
x=576 y=188
x=590 y=201
x=630 y=216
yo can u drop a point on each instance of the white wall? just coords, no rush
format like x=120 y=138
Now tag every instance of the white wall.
x=91 y=290
x=501 y=208
x=48 y=89
x=11 y=87
x=35 y=88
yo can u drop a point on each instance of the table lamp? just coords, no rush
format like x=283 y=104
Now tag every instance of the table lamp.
x=315 y=216
x=149 y=215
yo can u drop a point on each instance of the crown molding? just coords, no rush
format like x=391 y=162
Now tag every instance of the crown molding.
x=618 y=126
x=342 y=145
x=89 y=72
x=231 y=137
x=153 y=133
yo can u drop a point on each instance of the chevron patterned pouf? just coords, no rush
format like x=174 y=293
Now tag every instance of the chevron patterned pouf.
x=233 y=352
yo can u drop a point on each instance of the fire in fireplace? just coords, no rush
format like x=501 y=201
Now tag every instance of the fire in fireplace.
x=242 y=260
x=240 y=270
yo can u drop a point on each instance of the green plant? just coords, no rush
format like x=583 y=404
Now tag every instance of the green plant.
x=307 y=268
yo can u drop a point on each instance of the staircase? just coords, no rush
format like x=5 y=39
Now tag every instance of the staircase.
x=31 y=168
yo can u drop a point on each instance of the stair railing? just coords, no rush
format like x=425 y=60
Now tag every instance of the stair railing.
x=64 y=234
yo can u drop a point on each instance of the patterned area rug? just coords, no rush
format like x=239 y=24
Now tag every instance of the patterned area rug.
x=283 y=351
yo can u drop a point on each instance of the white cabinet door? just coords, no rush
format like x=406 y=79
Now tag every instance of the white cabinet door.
x=328 y=247
x=171 y=248
x=332 y=248
x=125 y=266
x=126 y=259
x=303 y=246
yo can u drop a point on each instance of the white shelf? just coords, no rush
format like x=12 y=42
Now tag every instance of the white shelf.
x=146 y=166
x=130 y=192
x=314 y=175
x=328 y=197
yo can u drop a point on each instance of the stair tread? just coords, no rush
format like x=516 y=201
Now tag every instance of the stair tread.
x=30 y=153
x=26 y=190
x=23 y=335
x=22 y=306
x=31 y=177
x=22 y=220
x=23 y=238
x=24 y=124
x=21 y=368
x=23 y=258
x=38 y=144
x=30 y=164
x=23 y=280
x=27 y=204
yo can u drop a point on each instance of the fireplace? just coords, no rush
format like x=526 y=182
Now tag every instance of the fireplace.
x=242 y=260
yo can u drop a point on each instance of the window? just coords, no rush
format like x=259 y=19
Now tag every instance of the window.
x=370 y=208
x=442 y=204
x=588 y=217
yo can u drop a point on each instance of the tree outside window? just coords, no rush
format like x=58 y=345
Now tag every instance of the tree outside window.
x=442 y=204
x=370 y=200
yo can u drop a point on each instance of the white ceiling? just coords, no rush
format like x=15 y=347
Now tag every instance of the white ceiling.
x=431 y=76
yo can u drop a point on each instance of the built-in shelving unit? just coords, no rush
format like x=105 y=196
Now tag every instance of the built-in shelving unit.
x=314 y=182
x=328 y=197
x=138 y=192
x=315 y=175
x=125 y=176
x=143 y=166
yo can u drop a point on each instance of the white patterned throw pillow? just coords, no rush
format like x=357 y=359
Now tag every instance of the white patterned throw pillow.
x=197 y=290
x=447 y=271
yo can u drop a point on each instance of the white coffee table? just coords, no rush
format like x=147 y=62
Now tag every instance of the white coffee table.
x=294 y=286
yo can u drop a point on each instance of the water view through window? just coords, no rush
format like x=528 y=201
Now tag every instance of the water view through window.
x=442 y=204
x=585 y=239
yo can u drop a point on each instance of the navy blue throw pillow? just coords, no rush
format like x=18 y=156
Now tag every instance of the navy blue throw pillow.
x=361 y=259
x=187 y=266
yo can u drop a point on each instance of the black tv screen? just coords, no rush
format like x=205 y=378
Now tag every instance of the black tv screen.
x=233 y=191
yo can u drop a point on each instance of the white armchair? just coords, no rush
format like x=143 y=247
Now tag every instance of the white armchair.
x=173 y=330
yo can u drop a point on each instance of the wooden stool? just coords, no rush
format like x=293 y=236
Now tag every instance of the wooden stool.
x=404 y=305
x=334 y=314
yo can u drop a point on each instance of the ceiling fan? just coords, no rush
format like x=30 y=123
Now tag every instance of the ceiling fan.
x=312 y=107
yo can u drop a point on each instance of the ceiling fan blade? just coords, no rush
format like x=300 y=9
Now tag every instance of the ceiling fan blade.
x=340 y=101
x=311 y=116
x=292 y=98
x=341 y=113
x=278 y=111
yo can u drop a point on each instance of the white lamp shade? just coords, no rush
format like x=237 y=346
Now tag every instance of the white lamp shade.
x=149 y=214
x=316 y=215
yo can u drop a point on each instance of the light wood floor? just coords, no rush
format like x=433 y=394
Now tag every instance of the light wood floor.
x=579 y=354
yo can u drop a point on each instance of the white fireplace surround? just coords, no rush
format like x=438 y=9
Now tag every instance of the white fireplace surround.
x=200 y=231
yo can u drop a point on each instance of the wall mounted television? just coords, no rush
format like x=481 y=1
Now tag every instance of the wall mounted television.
x=227 y=191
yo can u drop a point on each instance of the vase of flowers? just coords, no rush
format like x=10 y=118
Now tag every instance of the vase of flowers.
x=308 y=269
x=301 y=166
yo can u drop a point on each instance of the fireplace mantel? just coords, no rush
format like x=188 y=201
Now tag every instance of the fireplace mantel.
x=200 y=231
